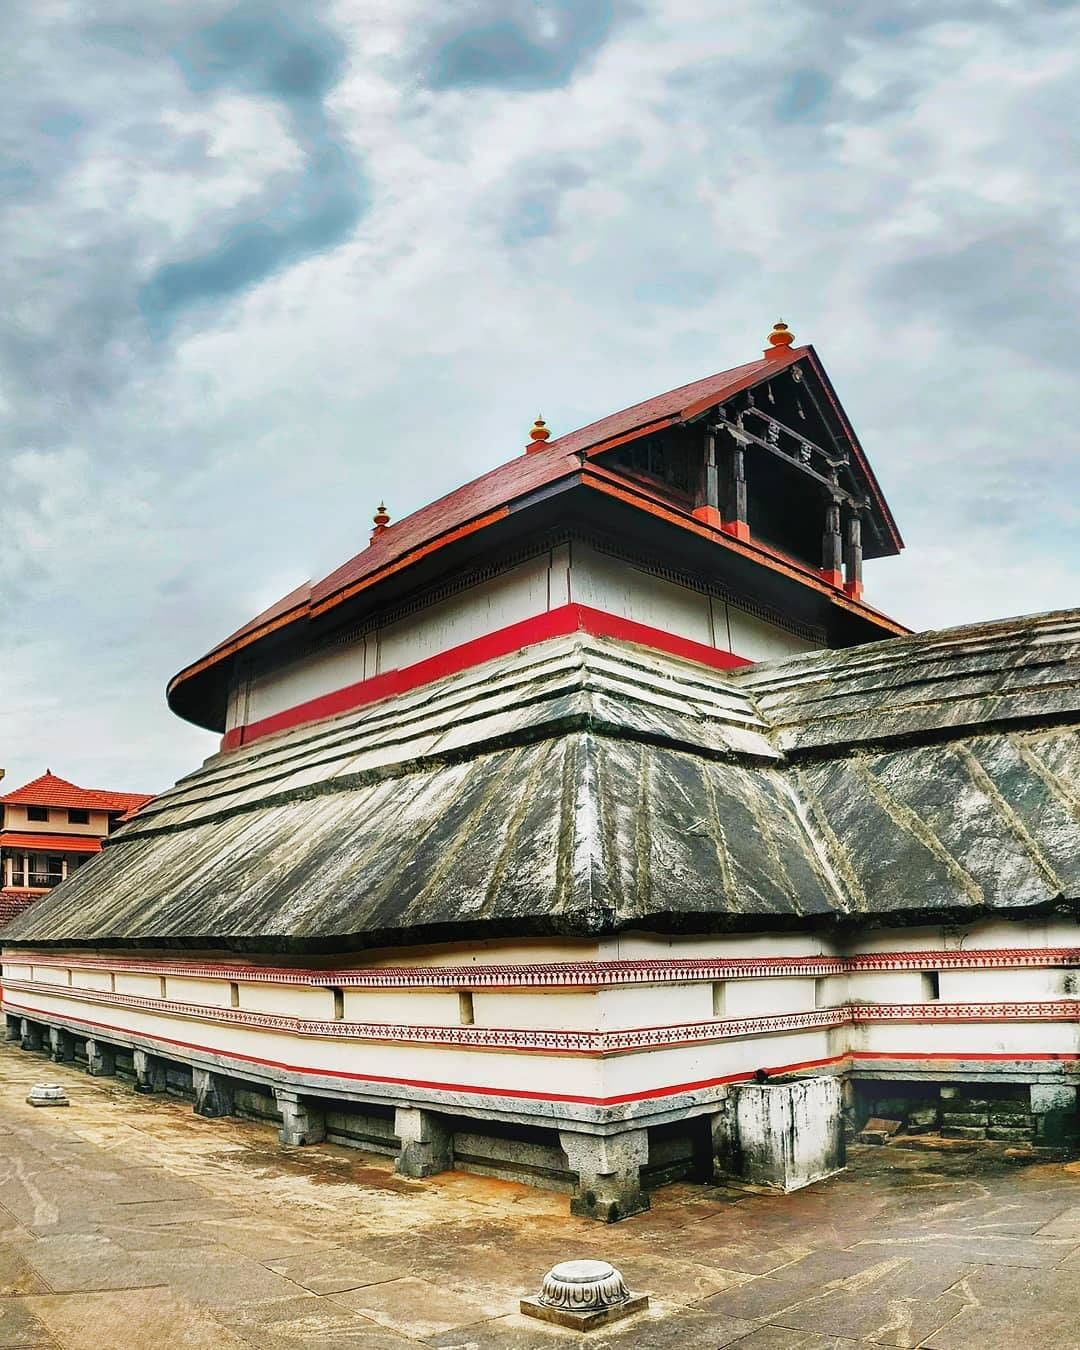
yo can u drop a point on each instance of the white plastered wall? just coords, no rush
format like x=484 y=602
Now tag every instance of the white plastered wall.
x=571 y=573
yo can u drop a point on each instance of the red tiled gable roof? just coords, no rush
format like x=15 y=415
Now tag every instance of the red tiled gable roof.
x=558 y=458
x=487 y=498
x=50 y=790
x=521 y=475
x=50 y=843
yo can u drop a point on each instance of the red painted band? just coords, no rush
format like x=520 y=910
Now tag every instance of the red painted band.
x=521 y=1094
x=541 y=628
x=937 y=1054
x=516 y=1093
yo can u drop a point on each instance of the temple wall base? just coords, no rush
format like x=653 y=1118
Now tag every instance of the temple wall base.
x=608 y=1169
x=427 y=1146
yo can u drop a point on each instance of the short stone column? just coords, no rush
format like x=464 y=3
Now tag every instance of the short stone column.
x=213 y=1094
x=608 y=1170
x=100 y=1059
x=30 y=1035
x=427 y=1146
x=149 y=1072
x=1054 y=1106
x=61 y=1046
x=788 y=1133
x=301 y=1121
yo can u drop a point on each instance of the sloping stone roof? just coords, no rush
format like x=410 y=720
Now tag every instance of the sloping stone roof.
x=585 y=786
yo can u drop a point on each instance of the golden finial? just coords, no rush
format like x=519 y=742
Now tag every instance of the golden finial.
x=781 y=335
x=538 y=434
x=381 y=519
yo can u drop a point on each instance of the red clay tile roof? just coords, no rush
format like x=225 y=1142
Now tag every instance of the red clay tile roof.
x=486 y=498
x=49 y=790
x=513 y=479
x=50 y=843
x=14 y=902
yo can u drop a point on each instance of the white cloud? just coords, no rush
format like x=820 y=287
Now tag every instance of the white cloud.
x=567 y=249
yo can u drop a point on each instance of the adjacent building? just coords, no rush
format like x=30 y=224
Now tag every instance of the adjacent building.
x=48 y=829
x=584 y=799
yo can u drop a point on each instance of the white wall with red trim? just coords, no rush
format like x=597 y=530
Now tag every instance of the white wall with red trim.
x=569 y=574
x=586 y=1026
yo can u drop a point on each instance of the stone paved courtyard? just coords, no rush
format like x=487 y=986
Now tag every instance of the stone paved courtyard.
x=127 y=1222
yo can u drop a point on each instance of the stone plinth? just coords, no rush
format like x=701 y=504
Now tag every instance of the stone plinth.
x=47 y=1094
x=608 y=1171
x=583 y=1295
x=788 y=1134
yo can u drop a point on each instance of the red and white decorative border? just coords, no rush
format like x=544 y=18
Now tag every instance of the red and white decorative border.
x=838 y=1063
x=561 y=1041
x=565 y=974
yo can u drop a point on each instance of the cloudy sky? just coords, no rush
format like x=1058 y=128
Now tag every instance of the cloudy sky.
x=265 y=263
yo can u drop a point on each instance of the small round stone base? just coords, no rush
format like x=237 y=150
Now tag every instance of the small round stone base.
x=47 y=1094
x=584 y=1319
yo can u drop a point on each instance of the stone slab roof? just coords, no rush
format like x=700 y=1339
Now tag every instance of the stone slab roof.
x=585 y=786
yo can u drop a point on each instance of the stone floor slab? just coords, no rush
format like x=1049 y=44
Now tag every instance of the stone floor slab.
x=146 y=1319
x=334 y=1271
x=20 y=1327
x=80 y=1262
x=416 y=1308
x=214 y=1281
x=869 y=1316
x=1007 y=1329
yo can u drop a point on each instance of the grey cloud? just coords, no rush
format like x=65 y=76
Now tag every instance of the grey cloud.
x=803 y=93
x=1015 y=286
x=517 y=44
x=285 y=53
x=535 y=198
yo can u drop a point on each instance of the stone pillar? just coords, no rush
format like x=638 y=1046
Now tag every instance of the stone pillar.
x=30 y=1035
x=1054 y=1106
x=213 y=1094
x=100 y=1059
x=608 y=1170
x=725 y=1141
x=149 y=1072
x=427 y=1146
x=61 y=1046
x=301 y=1122
x=849 y=1108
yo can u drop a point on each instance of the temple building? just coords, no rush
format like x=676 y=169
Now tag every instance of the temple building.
x=591 y=827
x=48 y=829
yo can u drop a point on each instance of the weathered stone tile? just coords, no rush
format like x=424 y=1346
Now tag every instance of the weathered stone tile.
x=1020 y=1287
x=669 y=1327
x=870 y=1316
x=333 y=1271
x=977 y=1250
x=144 y=1319
x=784 y=1338
x=84 y=1262
x=679 y=1281
x=20 y=1327
x=416 y=1308
x=17 y=1276
x=211 y=1279
x=1063 y=1225
x=262 y=1241
x=825 y=1267
x=762 y=1297
x=989 y=1328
